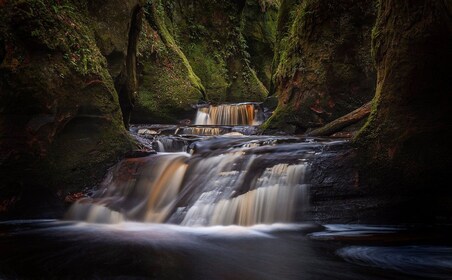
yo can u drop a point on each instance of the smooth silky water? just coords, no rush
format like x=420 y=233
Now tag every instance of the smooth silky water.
x=215 y=204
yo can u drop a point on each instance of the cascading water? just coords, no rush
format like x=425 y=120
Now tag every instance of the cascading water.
x=226 y=179
x=208 y=174
x=170 y=144
x=276 y=186
x=253 y=180
x=141 y=189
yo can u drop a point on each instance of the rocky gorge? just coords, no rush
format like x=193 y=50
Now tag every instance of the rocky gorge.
x=76 y=74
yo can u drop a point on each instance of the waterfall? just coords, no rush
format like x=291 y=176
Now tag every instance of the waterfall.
x=230 y=114
x=170 y=144
x=245 y=185
x=136 y=189
x=280 y=185
x=227 y=178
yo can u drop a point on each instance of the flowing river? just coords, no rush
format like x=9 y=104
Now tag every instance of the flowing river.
x=217 y=201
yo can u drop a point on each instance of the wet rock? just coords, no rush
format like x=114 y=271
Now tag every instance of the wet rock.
x=139 y=153
x=185 y=122
x=147 y=132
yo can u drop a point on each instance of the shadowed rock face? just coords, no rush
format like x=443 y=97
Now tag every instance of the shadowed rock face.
x=117 y=25
x=407 y=135
x=323 y=67
x=61 y=121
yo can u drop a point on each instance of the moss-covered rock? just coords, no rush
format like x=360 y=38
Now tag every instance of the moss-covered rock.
x=323 y=65
x=168 y=85
x=61 y=123
x=406 y=138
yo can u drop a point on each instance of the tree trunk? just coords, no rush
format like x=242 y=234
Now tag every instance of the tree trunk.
x=342 y=122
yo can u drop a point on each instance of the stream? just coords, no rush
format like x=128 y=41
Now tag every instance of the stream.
x=216 y=201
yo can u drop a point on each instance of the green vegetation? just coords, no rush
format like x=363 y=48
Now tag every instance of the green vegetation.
x=282 y=120
x=289 y=57
x=217 y=50
x=168 y=84
x=63 y=27
x=156 y=16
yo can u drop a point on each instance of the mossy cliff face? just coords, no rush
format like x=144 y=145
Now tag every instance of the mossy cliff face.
x=259 y=20
x=210 y=35
x=61 y=122
x=322 y=67
x=407 y=134
x=168 y=85
x=192 y=51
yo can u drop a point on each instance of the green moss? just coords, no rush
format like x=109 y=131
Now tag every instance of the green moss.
x=98 y=144
x=213 y=51
x=61 y=26
x=283 y=119
x=165 y=91
x=168 y=84
x=290 y=58
x=157 y=17
x=322 y=62
x=217 y=49
x=369 y=127
x=212 y=70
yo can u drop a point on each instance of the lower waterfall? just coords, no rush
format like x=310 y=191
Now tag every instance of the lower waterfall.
x=226 y=180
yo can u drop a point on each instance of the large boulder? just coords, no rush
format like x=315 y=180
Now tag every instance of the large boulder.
x=61 y=122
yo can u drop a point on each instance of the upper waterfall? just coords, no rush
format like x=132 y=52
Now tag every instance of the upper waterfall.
x=230 y=114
